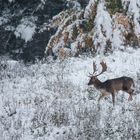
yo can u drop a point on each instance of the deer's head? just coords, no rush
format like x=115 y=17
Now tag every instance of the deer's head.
x=93 y=78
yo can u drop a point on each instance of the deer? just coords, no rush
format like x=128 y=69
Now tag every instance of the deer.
x=111 y=86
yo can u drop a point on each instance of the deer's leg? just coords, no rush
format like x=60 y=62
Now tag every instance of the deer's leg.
x=113 y=98
x=130 y=92
x=101 y=96
x=104 y=94
x=130 y=97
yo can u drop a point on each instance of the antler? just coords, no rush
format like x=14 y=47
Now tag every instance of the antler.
x=94 y=69
x=104 y=68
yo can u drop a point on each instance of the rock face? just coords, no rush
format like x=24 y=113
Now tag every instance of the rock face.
x=31 y=30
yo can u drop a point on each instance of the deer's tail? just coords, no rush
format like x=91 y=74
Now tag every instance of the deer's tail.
x=133 y=88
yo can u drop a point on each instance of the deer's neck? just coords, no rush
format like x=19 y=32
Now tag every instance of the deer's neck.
x=98 y=84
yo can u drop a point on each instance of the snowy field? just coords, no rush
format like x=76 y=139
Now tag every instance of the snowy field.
x=51 y=101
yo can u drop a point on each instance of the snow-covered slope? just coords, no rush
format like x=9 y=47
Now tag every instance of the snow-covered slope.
x=52 y=101
x=30 y=30
x=103 y=26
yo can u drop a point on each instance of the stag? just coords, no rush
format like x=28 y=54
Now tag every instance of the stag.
x=111 y=86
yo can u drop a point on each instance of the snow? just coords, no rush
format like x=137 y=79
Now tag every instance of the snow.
x=88 y=9
x=3 y=20
x=117 y=42
x=11 y=1
x=133 y=12
x=74 y=5
x=43 y=1
x=109 y=32
x=103 y=28
x=53 y=101
x=134 y=8
x=25 y=30
x=56 y=45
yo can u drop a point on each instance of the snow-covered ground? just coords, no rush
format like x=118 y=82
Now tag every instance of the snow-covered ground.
x=51 y=101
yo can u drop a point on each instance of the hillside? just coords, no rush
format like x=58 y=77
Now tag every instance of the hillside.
x=46 y=54
x=35 y=29
x=52 y=101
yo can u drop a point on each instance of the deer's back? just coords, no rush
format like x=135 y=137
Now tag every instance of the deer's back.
x=121 y=83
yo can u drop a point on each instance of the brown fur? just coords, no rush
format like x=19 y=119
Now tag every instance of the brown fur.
x=112 y=86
